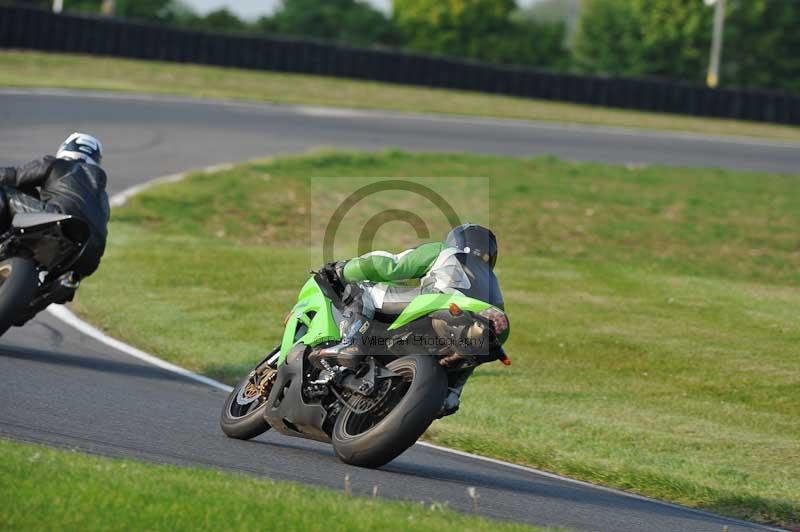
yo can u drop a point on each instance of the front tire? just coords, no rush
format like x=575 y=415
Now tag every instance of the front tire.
x=19 y=282
x=358 y=442
x=243 y=413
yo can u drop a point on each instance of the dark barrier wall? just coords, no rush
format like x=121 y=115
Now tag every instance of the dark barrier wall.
x=41 y=30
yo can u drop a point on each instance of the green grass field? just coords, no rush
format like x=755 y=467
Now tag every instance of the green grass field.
x=654 y=311
x=31 y=69
x=48 y=489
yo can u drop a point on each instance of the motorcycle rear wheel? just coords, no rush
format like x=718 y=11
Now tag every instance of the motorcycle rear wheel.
x=19 y=281
x=422 y=388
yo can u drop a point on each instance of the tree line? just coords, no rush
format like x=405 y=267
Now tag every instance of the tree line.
x=634 y=38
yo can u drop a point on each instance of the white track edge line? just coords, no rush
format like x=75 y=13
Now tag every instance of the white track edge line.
x=598 y=487
x=66 y=316
x=121 y=198
x=62 y=313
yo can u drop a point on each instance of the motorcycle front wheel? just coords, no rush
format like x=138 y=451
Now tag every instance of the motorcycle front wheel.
x=19 y=281
x=243 y=413
x=404 y=410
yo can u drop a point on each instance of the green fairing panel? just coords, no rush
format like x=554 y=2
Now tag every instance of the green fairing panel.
x=382 y=267
x=424 y=304
x=321 y=327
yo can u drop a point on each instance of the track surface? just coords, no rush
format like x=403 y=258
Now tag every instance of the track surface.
x=62 y=388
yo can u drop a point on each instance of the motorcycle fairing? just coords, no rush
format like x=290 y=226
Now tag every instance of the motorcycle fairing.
x=311 y=321
x=37 y=219
x=287 y=412
x=425 y=304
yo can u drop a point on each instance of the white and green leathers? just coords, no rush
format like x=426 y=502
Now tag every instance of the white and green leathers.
x=378 y=272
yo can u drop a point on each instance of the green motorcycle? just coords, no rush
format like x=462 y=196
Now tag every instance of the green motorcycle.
x=374 y=413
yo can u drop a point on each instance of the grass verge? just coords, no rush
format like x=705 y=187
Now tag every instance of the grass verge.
x=33 y=69
x=654 y=311
x=45 y=488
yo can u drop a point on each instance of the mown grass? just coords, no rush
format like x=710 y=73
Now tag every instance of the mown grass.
x=34 y=69
x=654 y=311
x=48 y=489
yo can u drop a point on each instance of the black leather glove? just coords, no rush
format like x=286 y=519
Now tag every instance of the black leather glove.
x=334 y=273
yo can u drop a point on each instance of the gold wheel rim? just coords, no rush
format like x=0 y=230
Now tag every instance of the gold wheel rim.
x=250 y=391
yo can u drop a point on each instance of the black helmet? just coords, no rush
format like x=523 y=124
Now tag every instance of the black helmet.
x=475 y=240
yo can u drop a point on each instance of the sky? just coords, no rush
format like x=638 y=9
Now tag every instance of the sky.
x=254 y=8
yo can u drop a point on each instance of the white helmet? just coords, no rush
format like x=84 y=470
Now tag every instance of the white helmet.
x=81 y=147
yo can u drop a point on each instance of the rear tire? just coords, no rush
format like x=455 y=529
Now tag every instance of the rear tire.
x=245 y=421
x=401 y=427
x=19 y=282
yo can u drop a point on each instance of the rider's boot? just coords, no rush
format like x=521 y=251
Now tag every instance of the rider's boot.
x=348 y=352
x=454 y=389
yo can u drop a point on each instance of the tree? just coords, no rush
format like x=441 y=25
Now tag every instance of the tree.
x=554 y=11
x=529 y=42
x=480 y=29
x=219 y=20
x=644 y=37
x=42 y=4
x=83 y=6
x=676 y=36
x=671 y=38
x=344 y=20
x=451 y=26
x=761 y=44
x=607 y=39
x=156 y=10
x=144 y=9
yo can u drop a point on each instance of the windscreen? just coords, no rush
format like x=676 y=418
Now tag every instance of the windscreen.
x=483 y=282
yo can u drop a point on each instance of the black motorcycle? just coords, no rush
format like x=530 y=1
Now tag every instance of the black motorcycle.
x=36 y=256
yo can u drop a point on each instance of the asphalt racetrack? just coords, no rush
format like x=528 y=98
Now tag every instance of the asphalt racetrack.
x=63 y=388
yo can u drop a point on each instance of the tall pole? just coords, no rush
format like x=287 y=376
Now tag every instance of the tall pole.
x=58 y=6
x=712 y=80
